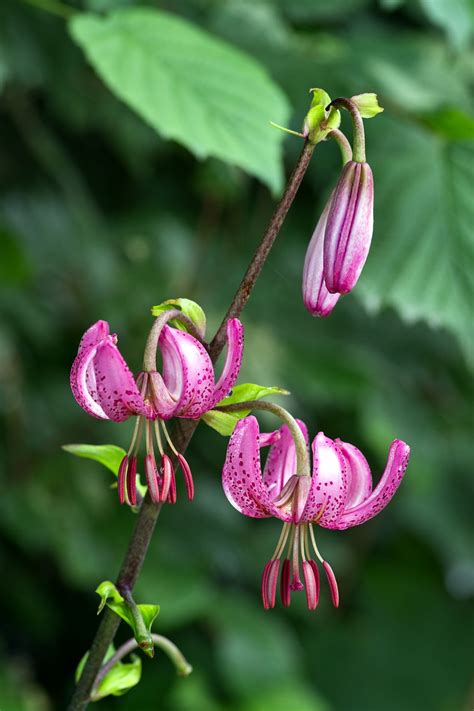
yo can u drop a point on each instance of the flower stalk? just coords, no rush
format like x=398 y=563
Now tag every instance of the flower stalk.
x=358 y=142
x=182 y=435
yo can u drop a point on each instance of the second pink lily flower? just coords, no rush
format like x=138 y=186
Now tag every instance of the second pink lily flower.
x=104 y=387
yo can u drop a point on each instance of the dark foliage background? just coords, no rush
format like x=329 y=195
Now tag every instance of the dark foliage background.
x=100 y=218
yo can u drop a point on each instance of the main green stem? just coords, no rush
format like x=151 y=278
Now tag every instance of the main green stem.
x=182 y=435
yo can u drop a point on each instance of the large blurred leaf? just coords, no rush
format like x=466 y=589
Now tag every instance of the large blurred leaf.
x=455 y=17
x=190 y=86
x=422 y=261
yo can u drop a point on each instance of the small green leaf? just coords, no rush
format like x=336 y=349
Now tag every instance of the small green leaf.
x=80 y=667
x=107 y=454
x=121 y=678
x=224 y=422
x=189 y=308
x=139 y=617
x=367 y=104
x=147 y=58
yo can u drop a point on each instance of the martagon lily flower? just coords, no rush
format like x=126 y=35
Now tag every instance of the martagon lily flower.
x=105 y=388
x=337 y=495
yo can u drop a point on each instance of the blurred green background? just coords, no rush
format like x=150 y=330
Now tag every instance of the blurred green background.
x=100 y=217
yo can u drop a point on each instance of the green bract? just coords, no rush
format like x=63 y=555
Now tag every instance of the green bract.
x=224 y=422
x=367 y=104
x=319 y=120
x=139 y=617
x=122 y=677
x=189 y=308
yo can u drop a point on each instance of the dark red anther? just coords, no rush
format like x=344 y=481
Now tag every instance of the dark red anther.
x=271 y=583
x=285 y=591
x=310 y=585
x=264 y=584
x=122 y=475
x=168 y=474
x=151 y=473
x=132 y=481
x=316 y=578
x=188 y=477
x=332 y=583
x=172 y=492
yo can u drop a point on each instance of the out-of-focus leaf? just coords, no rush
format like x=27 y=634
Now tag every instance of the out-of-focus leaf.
x=107 y=454
x=224 y=422
x=220 y=107
x=14 y=266
x=309 y=10
x=284 y=697
x=455 y=17
x=422 y=262
x=451 y=123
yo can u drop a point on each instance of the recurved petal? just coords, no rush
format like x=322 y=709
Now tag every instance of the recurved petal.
x=94 y=335
x=242 y=474
x=398 y=456
x=281 y=460
x=233 y=361
x=316 y=297
x=359 y=474
x=187 y=374
x=83 y=385
x=117 y=392
x=329 y=484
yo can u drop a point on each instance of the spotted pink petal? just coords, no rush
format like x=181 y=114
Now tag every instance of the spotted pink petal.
x=329 y=485
x=83 y=382
x=390 y=481
x=359 y=475
x=94 y=335
x=316 y=297
x=281 y=460
x=117 y=393
x=233 y=361
x=187 y=374
x=242 y=475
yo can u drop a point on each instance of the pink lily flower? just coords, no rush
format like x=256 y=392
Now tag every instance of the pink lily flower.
x=104 y=387
x=337 y=495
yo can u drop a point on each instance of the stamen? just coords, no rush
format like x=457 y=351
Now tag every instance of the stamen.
x=313 y=541
x=168 y=439
x=132 y=481
x=317 y=580
x=172 y=493
x=271 y=583
x=168 y=474
x=310 y=585
x=136 y=431
x=264 y=584
x=152 y=478
x=188 y=477
x=122 y=474
x=159 y=442
x=282 y=541
x=332 y=583
x=285 y=590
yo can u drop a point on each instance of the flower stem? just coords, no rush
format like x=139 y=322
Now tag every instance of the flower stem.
x=182 y=666
x=149 y=358
x=302 y=454
x=182 y=435
x=357 y=125
x=344 y=145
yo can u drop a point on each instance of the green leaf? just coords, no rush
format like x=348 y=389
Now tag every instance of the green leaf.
x=224 y=422
x=421 y=261
x=452 y=123
x=107 y=454
x=121 y=678
x=188 y=85
x=139 y=617
x=454 y=17
x=189 y=308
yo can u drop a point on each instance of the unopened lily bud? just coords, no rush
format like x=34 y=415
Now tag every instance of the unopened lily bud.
x=349 y=227
x=316 y=297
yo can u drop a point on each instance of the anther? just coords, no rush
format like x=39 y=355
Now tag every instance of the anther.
x=152 y=478
x=122 y=475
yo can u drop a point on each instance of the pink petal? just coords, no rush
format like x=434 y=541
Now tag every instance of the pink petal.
x=316 y=297
x=391 y=478
x=268 y=438
x=359 y=475
x=281 y=460
x=233 y=361
x=329 y=482
x=83 y=383
x=187 y=374
x=242 y=474
x=94 y=335
x=117 y=392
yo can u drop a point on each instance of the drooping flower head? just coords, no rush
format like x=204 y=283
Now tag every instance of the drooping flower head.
x=104 y=387
x=337 y=495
